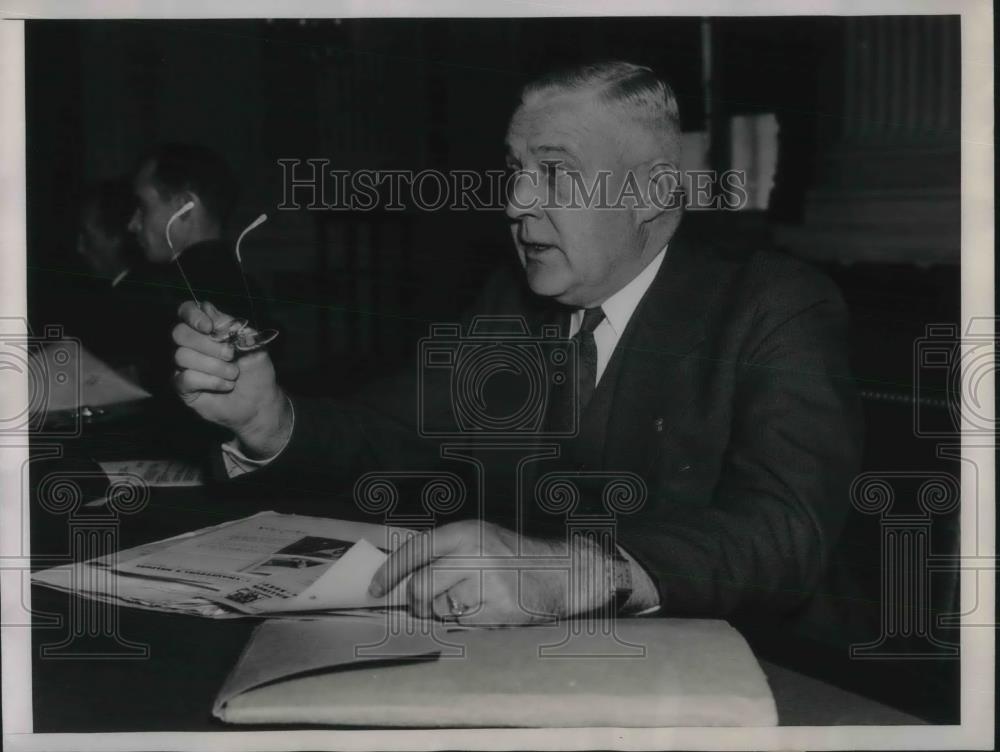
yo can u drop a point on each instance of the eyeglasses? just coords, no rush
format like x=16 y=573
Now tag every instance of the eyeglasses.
x=243 y=337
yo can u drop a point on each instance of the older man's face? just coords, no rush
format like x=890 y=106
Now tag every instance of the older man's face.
x=582 y=254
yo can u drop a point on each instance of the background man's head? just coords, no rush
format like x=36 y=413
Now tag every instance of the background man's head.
x=170 y=176
x=614 y=117
x=103 y=239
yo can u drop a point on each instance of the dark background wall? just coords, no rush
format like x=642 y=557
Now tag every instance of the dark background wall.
x=864 y=185
x=867 y=185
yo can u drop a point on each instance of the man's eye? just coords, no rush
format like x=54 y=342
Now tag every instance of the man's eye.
x=553 y=171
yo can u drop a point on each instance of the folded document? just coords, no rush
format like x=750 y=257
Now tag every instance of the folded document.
x=70 y=376
x=383 y=672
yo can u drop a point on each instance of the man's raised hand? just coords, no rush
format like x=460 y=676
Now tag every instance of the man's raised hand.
x=241 y=394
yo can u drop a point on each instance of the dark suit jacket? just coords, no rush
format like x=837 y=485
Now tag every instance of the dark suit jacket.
x=731 y=398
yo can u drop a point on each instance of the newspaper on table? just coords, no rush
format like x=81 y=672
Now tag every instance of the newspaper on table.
x=160 y=473
x=269 y=564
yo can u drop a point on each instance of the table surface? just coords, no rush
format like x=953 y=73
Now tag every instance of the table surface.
x=173 y=687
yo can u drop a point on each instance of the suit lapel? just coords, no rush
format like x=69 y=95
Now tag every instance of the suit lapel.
x=655 y=350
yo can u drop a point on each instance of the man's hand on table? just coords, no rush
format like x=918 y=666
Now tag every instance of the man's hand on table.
x=241 y=394
x=482 y=573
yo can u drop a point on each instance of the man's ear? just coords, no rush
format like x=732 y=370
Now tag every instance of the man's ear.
x=187 y=197
x=662 y=189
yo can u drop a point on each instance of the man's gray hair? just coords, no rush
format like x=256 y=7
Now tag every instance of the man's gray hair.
x=634 y=89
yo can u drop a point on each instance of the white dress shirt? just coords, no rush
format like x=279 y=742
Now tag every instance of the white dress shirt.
x=618 y=310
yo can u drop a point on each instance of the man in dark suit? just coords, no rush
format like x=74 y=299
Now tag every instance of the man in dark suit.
x=92 y=303
x=713 y=385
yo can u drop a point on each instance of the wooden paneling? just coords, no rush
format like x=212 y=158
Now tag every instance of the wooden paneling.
x=887 y=182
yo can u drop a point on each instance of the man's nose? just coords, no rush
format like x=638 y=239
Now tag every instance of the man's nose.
x=524 y=197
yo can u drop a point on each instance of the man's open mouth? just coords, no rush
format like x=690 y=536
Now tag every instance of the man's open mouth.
x=536 y=247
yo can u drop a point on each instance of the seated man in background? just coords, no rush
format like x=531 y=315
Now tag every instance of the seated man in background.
x=717 y=382
x=185 y=250
x=102 y=317
x=104 y=240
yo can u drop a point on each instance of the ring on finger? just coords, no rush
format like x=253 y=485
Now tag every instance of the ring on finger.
x=456 y=608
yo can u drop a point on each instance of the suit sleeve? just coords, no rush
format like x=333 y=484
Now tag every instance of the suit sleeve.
x=380 y=428
x=782 y=494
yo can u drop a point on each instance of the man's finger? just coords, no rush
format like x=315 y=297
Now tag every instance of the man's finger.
x=205 y=317
x=185 y=357
x=416 y=552
x=184 y=336
x=459 y=596
x=428 y=584
x=219 y=319
x=193 y=316
x=190 y=382
x=420 y=592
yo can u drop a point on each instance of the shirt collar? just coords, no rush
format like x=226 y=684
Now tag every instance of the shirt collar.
x=618 y=309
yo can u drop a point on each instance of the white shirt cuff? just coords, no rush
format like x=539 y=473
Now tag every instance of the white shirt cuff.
x=237 y=463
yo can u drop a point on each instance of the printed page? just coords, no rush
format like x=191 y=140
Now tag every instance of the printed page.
x=312 y=573
x=75 y=377
x=289 y=551
x=267 y=563
x=160 y=473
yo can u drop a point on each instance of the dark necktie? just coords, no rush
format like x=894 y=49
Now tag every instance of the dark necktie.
x=587 y=374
